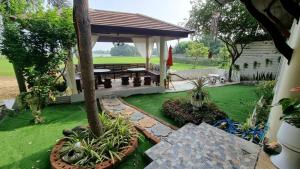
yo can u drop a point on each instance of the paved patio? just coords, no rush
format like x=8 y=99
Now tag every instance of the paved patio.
x=203 y=147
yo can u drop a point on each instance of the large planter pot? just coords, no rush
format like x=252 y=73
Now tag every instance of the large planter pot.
x=57 y=163
x=289 y=138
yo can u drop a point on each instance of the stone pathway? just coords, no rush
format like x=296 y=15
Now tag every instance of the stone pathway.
x=202 y=147
x=155 y=128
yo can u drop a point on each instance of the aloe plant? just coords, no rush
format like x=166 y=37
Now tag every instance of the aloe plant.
x=199 y=95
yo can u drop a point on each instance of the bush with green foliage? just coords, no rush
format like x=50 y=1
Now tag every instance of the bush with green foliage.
x=291 y=111
x=124 y=50
x=181 y=47
x=182 y=112
x=265 y=89
x=196 y=50
x=37 y=42
x=83 y=149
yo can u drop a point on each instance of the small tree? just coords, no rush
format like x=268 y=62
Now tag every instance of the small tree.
x=181 y=47
x=37 y=43
x=231 y=23
x=196 y=50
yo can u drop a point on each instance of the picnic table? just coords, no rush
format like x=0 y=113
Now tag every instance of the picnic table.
x=137 y=79
x=213 y=78
x=99 y=72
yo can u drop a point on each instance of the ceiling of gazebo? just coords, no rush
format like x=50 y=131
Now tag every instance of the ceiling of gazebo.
x=119 y=24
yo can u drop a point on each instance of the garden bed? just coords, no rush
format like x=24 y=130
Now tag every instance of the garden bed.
x=57 y=163
x=182 y=112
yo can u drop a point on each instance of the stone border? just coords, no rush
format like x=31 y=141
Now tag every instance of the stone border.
x=147 y=134
x=57 y=163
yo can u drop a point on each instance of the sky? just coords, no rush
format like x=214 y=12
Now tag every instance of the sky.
x=172 y=11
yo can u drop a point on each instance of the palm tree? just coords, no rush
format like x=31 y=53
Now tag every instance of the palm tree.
x=83 y=30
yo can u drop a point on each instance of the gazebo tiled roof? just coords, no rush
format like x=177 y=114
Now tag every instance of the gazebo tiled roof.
x=130 y=23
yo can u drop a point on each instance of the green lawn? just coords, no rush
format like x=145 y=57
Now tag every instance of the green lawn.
x=236 y=100
x=139 y=59
x=27 y=146
x=6 y=68
x=130 y=59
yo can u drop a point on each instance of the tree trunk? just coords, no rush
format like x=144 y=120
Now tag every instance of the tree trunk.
x=83 y=30
x=230 y=73
x=70 y=76
x=20 y=79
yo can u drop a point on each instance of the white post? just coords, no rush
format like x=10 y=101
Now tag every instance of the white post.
x=147 y=54
x=70 y=74
x=162 y=61
x=288 y=78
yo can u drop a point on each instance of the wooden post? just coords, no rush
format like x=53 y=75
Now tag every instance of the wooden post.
x=147 y=54
x=162 y=61
x=83 y=30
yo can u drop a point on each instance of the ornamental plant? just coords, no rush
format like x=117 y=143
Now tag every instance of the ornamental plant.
x=84 y=149
x=291 y=109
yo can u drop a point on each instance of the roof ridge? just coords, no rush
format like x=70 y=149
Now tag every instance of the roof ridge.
x=164 y=22
x=102 y=10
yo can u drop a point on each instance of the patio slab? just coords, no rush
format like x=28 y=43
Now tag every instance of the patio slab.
x=203 y=147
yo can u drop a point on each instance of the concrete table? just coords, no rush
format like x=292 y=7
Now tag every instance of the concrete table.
x=137 y=78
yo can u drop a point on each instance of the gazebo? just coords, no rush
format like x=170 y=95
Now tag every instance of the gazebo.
x=121 y=27
x=143 y=31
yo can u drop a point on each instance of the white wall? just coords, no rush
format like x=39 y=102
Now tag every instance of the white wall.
x=259 y=52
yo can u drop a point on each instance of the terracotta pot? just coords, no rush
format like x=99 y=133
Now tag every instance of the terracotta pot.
x=57 y=163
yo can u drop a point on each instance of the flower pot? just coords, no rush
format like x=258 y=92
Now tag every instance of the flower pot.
x=58 y=163
x=289 y=138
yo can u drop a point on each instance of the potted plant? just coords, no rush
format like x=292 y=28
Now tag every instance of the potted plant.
x=198 y=94
x=289 y=134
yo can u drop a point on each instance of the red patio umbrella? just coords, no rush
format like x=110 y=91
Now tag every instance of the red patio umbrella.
x=170 y=58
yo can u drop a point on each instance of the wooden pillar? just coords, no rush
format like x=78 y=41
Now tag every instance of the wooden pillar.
x=83 y=30
x=162 y=62
x=147 y=54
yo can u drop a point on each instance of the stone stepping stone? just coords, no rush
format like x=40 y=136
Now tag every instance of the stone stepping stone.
x=136 y=116
x=127 y=112
x=160 y=130
x=147 y=122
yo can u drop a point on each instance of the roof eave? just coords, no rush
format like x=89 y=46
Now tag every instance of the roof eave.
x=138 y=31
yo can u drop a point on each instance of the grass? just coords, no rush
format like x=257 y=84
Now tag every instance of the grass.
x=6 y=68
x=24 y=145
x=138 y=59
x=236 y=100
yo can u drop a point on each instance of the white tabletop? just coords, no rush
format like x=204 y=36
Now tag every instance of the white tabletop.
x=139 y=69
x=101 y=70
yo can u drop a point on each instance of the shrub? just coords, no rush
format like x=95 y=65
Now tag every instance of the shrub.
x=82 y=148
x=182 y=112
x=265 y=89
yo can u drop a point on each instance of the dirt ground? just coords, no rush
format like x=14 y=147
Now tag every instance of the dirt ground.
x=8 y=87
